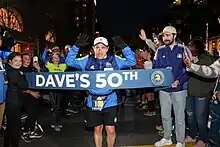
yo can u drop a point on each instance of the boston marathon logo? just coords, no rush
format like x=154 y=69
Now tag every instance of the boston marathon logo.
x=157 y=78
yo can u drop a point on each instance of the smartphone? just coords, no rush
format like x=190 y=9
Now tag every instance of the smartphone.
x=185 y=53
x=35 y=59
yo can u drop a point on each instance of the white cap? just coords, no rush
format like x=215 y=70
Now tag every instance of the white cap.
x=100 y=40
x=169 y=29
x=67 y=46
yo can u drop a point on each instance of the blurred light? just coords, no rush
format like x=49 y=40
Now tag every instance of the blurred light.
x=177 y=2
x=200 y=2
x=28 y=47
x=84 y=9
x=77 y=21
x=77 y=18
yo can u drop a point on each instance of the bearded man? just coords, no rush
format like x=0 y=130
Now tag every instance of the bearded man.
x=171 y=56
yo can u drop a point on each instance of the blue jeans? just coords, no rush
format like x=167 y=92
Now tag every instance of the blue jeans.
x=197 y=110
x=214 y=133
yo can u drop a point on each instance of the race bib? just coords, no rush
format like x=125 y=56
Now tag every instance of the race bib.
x=108 y=69
x=98 y=103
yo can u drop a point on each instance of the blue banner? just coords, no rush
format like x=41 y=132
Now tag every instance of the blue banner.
x=3 y=87
x=117 y=79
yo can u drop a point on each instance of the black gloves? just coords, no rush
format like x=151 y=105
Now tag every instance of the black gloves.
x=82 y=40
x=119 y=42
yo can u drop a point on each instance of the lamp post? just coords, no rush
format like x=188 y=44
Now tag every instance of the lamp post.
x=207 y=37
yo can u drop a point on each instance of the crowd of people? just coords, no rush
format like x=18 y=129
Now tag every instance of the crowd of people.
x=185 y=106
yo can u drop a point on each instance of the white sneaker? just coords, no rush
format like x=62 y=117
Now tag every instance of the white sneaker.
x=163 y=142
x=180 y=144
x=159 y=128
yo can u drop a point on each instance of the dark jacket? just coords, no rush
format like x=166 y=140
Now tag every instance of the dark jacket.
x=167 y=58
x=199 y=86
x=17 y=82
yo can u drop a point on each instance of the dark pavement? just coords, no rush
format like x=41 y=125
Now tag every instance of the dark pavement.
x=133 y=129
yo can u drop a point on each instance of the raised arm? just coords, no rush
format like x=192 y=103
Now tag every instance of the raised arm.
x=72 y=61
x=149 y=42
x=211 y=71
x=44 y=56
x=156 y=60
x=128 y=61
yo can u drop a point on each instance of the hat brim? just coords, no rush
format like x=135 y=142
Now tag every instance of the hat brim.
x=100 y=43
x=167 y=32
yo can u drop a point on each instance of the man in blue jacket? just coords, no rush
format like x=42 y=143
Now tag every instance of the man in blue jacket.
x=102 y=104
x=171 y=56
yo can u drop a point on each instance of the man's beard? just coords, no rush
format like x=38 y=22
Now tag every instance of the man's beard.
x=168 y=42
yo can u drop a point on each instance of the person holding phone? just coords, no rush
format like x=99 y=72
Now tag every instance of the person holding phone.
x=35 y=59
x=211 y=71
x=30 y=102
x=37 y=65
x=197 y=102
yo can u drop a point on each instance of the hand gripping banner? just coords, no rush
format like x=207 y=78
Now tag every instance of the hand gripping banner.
x=117 y=79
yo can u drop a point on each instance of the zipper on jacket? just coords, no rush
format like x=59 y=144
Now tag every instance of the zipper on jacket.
x=100 y=65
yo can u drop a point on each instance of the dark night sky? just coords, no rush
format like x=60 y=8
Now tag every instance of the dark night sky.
x=126 y=17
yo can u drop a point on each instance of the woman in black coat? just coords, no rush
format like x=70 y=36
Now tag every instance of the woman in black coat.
x=17 y=83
